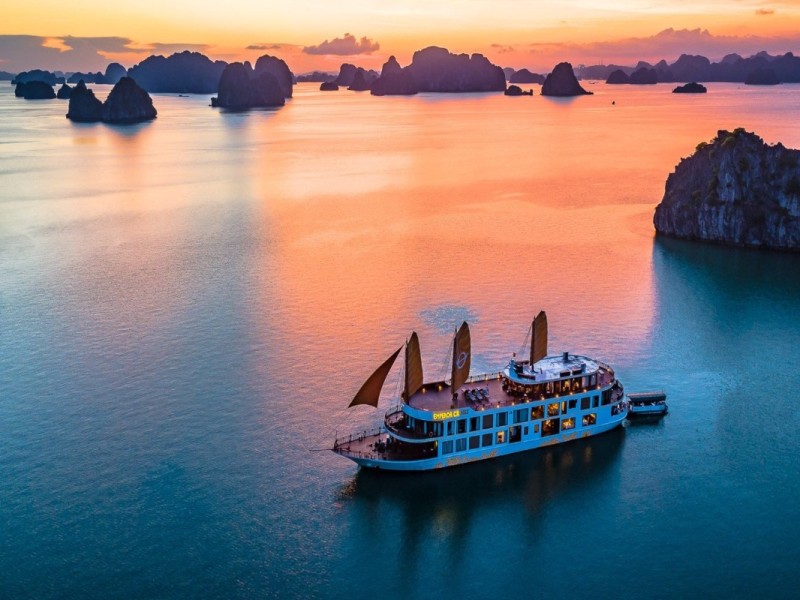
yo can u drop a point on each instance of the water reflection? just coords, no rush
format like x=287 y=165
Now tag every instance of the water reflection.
x=449 y=507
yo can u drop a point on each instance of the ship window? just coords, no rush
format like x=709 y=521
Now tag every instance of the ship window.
x=550 y=427
x=585 y=403
x=589 y=419
x=462 y=426
x=474 y=442
x=595 y=401
x=487 y=439
x=514 y=434
x=573 y=404
x=606 y=397
x=565 y=386
x=536 y=428
x=488 y=421
x=537 y=412
x=525 y=431
x=521 y=415
x=502 y=419
x=461 y=444
x=501 y=437
x=564 y=407
x=474 y=423
x=552 y=409
x=449 y=428
x=447 y=447
x=568 y=424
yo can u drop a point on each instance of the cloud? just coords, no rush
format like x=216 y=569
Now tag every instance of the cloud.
x=668 y=44
x=74 y=53
x=264 y=47
x=344 y=46
x=761 y=12
x=502 y=49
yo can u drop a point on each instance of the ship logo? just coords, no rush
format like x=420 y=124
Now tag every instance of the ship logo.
x=462 y=359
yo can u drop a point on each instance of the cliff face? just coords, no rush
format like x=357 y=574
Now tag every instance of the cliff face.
x=736 y=190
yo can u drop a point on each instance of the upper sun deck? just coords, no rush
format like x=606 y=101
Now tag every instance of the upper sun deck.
x=553 y=376
x=551 y=368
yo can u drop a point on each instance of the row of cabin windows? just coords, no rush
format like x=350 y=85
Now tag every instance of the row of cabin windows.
x=523 y=415
x=514 y=434
x=567 y=386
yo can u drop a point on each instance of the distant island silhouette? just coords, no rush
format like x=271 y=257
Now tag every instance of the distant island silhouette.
x=241 y=87
x=436 y=69
x=733 y=68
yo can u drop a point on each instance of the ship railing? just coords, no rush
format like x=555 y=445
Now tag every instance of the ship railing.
x=484 y=377
x=395 y=421
x=358 y=436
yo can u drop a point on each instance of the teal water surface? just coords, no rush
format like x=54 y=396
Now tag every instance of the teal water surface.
x=187 y=306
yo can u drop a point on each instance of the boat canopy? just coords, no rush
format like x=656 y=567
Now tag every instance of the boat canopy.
x=539 y=338
x=370 y=392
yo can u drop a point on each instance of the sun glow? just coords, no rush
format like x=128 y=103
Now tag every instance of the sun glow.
x=509 y=32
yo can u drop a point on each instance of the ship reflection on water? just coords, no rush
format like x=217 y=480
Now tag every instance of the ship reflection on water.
x=444 y=506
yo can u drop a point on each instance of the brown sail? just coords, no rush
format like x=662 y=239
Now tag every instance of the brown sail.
x=371 y=390
x=539 y=338
x=413 y=367
x=461 y=356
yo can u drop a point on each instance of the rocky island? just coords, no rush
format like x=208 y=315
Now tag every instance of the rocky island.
x=34 y=90
x=690 y=88
x=562 y=82
x=241 y=88
x=736 y=190
x=126 y=103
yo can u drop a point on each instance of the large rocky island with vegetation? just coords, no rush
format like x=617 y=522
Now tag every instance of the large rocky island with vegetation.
x=735 y=190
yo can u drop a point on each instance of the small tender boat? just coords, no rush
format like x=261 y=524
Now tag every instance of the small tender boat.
x=651 y=404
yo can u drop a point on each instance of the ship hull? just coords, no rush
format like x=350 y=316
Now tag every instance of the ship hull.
x=469 y=456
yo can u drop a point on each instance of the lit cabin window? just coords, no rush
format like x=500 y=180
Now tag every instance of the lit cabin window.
x=552 y=409
x=550 y=427
x=537 y=412
x=568 y=424
x=589 y=419
x=501 y=437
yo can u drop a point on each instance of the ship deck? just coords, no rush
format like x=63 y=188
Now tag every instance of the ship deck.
x=434 y=400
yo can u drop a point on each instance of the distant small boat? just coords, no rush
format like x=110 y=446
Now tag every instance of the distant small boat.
x=650 y=404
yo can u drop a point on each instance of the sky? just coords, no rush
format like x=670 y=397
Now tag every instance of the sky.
x=321 y=34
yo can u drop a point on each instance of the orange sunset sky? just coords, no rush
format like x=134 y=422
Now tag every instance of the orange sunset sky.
x=321 y=34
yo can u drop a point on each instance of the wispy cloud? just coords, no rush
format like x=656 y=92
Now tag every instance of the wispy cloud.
x=264 y=47
x=762 y=12
x=344 y=46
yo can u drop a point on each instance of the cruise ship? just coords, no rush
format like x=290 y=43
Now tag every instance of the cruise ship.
x=539 y=401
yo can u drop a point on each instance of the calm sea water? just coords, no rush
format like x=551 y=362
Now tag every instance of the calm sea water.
x=187 y=306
